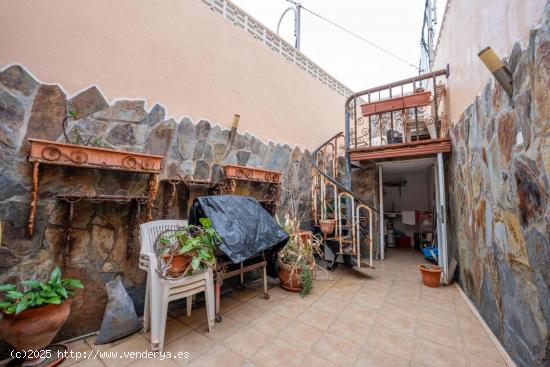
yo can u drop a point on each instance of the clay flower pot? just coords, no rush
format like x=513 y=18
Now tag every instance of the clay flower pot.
x=304 y=236
x=288 y=279
x=34 y=328
x=179 y=263
x=327 y=225
x=431 y=275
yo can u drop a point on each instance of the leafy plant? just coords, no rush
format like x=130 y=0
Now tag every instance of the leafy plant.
x=299 y=254
x=199 y=242
x=306 y=280
x=36 y=293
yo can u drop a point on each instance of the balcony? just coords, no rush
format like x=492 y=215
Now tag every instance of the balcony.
x=400 y=119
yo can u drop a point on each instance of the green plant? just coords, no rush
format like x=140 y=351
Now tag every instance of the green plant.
x=36 y=293
x=306 y=280
x=199 y=242
x=299 y=255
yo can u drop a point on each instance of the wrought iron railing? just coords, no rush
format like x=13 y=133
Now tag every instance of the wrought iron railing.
x=398 y=112
x=254 y=28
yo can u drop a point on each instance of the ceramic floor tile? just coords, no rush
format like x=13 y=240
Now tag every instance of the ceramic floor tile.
x=352 y=330
x=482 y=346
x=244 y=313
x=442 y=335
x=174 y=330
x=260 y=301
x=476 y=361
x=391 y=319
x=336 y=349
x=246 y=341
x=79 y=346
x=442 y=318
x=300 y=335
x=88 y=363
x=289 y=309
x=194 y=343
x=221 y=330
x=431 y=354
x=391 y=341
x=154 y=362
x=244 y=294
x=314 y=361
x=361 y=314
x=398 y=323
x=317 y=318
x=377 y=358
x=278 y=353
x=218 y=356
x=135 y=343
x=197 y=318
x=228 y=303
x=328 y=304
x=270 y=322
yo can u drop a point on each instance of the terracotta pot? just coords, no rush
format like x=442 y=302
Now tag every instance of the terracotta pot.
x=327 y=225
x=304 y=236
x=35 y=328
x=53 y=152
x=179 y=263
x=290 y=280
x=431 y=275
x=251 y=174
x=394 y=104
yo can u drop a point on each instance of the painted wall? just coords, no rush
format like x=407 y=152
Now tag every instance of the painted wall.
x=175 y=51
x=468 y=27
x=499 y=200
x=414 y=195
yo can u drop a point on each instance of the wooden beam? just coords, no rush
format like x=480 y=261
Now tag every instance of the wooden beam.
x=420 y=147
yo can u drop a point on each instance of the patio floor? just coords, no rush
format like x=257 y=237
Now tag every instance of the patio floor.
x=390 y=319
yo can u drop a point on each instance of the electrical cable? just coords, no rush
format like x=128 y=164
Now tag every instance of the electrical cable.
x=353 y=34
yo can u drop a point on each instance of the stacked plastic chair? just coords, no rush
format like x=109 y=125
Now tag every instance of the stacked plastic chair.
x=160 y=291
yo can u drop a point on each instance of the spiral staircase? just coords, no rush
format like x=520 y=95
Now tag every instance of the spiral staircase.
x=332 y=198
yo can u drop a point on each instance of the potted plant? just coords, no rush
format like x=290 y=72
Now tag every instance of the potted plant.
x=326 y=225
x=431 y=274
x=296 y=261
x=33 y=313
x=188 y=249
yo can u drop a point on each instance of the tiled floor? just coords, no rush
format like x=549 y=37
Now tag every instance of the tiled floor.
x=390 y=319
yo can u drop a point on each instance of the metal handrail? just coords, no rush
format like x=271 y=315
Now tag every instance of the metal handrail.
x=341 y=187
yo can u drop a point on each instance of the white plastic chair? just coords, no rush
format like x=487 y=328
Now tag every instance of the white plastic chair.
x=159 y=291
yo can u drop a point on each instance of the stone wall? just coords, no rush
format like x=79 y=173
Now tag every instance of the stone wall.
x=365 y=185
x=29 y=109
x=499 y=176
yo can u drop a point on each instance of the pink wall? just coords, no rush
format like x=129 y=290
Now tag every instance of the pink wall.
x=468 y=27
x=175 y=52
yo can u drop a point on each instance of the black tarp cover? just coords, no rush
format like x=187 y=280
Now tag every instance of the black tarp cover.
x=245 y=227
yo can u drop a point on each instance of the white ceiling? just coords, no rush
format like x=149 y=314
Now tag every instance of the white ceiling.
x=419 y=165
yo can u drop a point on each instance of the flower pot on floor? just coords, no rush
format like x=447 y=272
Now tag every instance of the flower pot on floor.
x=289 y=276
x=178 y=264
x=34 y=328
x=431 y=275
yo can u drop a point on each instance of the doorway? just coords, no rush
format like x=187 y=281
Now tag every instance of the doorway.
x=412 y=208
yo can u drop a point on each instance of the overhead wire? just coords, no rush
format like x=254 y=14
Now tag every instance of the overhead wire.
x=342 y=28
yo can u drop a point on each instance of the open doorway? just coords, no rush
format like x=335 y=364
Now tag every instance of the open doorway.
x=412 y=208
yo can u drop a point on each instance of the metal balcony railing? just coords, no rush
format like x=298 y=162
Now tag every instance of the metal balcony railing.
x=399 y=112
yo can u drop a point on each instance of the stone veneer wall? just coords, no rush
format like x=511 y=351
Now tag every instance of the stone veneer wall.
x=499 y=176
x=365 y=185
x=31 y=109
